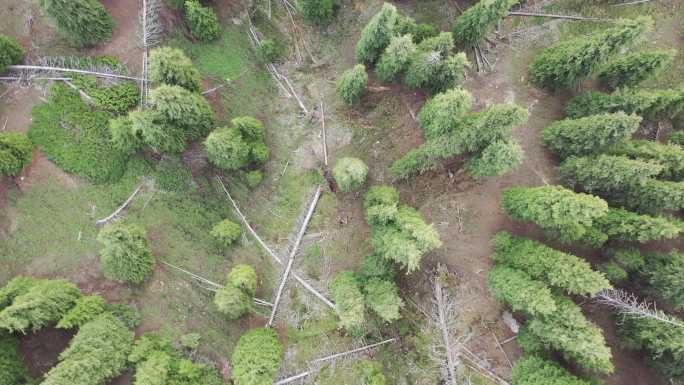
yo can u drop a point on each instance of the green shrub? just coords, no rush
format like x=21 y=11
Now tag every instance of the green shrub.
x=614 y=272
x=349 y=300
x=257 y=357
x=126 y=138
x=232 y=302
x=424 y=31
x=268 y=51
x=15 y=152
x=676 y=137
x=665 y=273
x=606 y=175
x=369 y=372
x=86 y=309
x=589 y=135
x=376 y=35
x=12 y=366
x=190 y=341
x=117 y=99
x=83 y=22
x=11 y=52
x=244 y=278
x=254 y=178
x=383 y=298
x=182 y=110
x=533 y=370
x=171 y=174
x=518 y=290
x=653 y=196
x=395 y=58
x=632 y=69
x=350 y=173
x=170 y=66
x=127 y=314
x=564 y=64
x=17 y=286
x=496 y=159
x=125 y=255
x=442 y=114
x=149 y=126
x=203 y=22
x=319 y=12
x=352 y=84
x=238 y=146
x=435 y=71
x=649 y=104
x=473 y=25
x=95 y=355
x=75 y=137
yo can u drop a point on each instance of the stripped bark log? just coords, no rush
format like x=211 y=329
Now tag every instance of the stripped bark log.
x=117 y=211
x=568 y=17
x=628 y=304
x=325 y=142
x=439 y=299
x=293 y=253
x=71 y=70
x=268 y=250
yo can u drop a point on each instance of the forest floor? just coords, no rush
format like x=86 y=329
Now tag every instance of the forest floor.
x=47 y=216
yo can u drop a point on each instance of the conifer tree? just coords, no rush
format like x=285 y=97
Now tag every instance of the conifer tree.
x=606 y=175
x=435 y=71
x=349 y=301
x=441 y=114
x=12 y=367
x=383 y=298
x=352 y=84
x=204 y=24
x=653 y=196
x=623 y=225
x=83 y=22
x=477 y=21
x=350 y=173
x=15 y=287
x=179 y=108
x=521 y=292
x=257 y=357
x=632 y=69
x=15 y=152
x=496 y=159
x=665 y=274
x=318 y=12
x=650 y=104
x=11 y=52
x=534 y=370
x=376 y=35
x=395 y=58
x=669 y=156
x=171 y=66
x=235 y=298
x=126 y=255
x=232 y=148
x=86 y=309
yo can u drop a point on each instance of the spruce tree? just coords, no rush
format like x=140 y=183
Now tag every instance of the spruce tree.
x=83 y=22
x=395 y=58
x=181 y=109
x=203 y=21
x=435 y=71
x=318 y=12
x=349 y=300
x=383 y=298
x=352 y=84
x=669 y=156
x=86 y=309
x=442 y=114
x=650 y=104
x=632 y=69
x=12 y=367
x=534 y=370
x=665 y=274
x=171 y=66
x=496 y=159
x=473 y=25
x=376 y=35
x=15 y=287
x=623 y=225
x=653 y=197
x=521 y=292
x=350 y=173
x=257 y=357
x=606 y=175
x=126 y=254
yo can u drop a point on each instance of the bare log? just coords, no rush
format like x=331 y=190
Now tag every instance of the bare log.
x=293 y=253
x=631 y=3
x=568 y=17
x=629 y=304
x=325 y=142
x=123 y=206
x=268 y=250
x=439 y=299
x=71 y=70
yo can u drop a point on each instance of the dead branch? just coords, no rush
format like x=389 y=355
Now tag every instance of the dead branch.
x=631 y=3
x=71 y=70
x=293 y=252
x=628 y=304
x=325 y=143
x=568 y=17
x=117 y=211
x=441 y=310
x=207 y=92
x=268 y=250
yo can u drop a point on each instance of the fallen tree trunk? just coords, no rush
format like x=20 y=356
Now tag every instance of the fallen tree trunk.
x=568 y=17
x=117 y=211
x=58 y=69
x=439 y=298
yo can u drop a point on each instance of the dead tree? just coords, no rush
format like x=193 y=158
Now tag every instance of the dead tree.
x=443 y=314
x=116 y=212
x=628 y=304
x=70 y=70
x=151 y=33
x=552 y=16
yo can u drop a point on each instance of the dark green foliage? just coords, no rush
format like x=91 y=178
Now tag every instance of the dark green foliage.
x=540 y=262
x=665 y=273
x=117 y=98
x=127 y=314
x=203 y=22
x=435 y=71
x=244 y=278
x=376 y=267
x=226 y=232
x=268 y=51
x=11 y=52
x=669 y=156
x=424 y=31
x=589 y=135
x=350 y=173
x=370 y=372
x=349 y=301
x=614 y=272
x=676 y=137
x=606 y=175
x=629 y=259
x=146 y=345
x=45 y=302
x=623 y=225
x=83 y=22
x=17 y=286
x=95 y=355
x=496 y=159
x=518 y=290
x=150 y=127
x=182 y=110
x=663 y=343
x=383 y=298
x=232 y=302
x=376 y=35
x=557 y=210
x=442 y=114
x=75 y=137
x=632 y=69
x=257 y=357
x=85 y=310
x=352 y=84
x=533 y=370
x=12 y=368
x=381 y=205
x=647 y=103
x=126 y=132
x=15 y=152
x=125 y=255
x=171 y=66
x=395 y=58
x=171 y=174
x=254 y=178
x=473 y=25
x=238 y=146
x=319 y=12
x=564 y=64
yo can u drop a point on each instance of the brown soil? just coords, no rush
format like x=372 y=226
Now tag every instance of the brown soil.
x=125 y=42
x=41 y=350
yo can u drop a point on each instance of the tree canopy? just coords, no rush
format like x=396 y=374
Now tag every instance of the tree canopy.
x=171 y=66
x=350 y=173
x=15 y=152
x=257 y=357
x=83 y=22
x=126 y=255
x=473 y=25
x=11 y=52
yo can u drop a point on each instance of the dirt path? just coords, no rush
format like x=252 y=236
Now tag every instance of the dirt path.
x=125 y=42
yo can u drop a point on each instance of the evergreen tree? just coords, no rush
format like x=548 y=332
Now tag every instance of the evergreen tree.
x=17 y=286
x=665 y=274
x=606 y=175
x=352 y=84
x=589 y=135
x=127 y=138
x=15 y=152
x=564 y=64
x=95 y=355
x=376 y=35
x=477 y=21
x=171 y=66
x=383 y=298
x=653 y=196
x=83 y=22
x=202 y=20
x=374 y=266
x=556 y=268
x=435 y=71
x=11 y=52
x=154 y=370
x=534 y=370
x=496 y=159
x=560 y=211
x=226 y=233
x=521 y=292
x=395 y=58
x=232 y=302
x=649 y=104
x=148 y=127
x=257 y=357
x=86 y=309
x=244 y=278
x=443 y=113
x=318 y=12
x=238 y=146
x=623 y=225
x=349 y=301
x=370 y=372
x=669 y=156
x=126 y=255
x=632 y=69
x=182 y=109
x=350 y=173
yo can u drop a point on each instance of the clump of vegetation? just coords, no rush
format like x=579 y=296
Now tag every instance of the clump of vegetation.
x=319 y=12
x=12 y=366
x=564 y=64
x=632 y=69
x=226 y=232
x=117 y=99
x=352 y=84
x=473 y=25
x=83 y=22
x=382 y=296
x=395 y=58
x=86 y=309
x=186 y=115
x=442 y=113
x=650 y=104
x=350 y=173
x=370 y=372
x=171 y=66
x=238 y=146
x=15 y=152
x=669 y=157
x=623 y=225
x=269 y=51
x=11 y=52
x=254 y=178
x=257 y=357
x=665 y=274
x=171 y=174
x=349 y=301
x=496 y=159
x=235 y=298
x=614 y=272
x=534 y=370
x=203 y=22
x=517 y=289
x=433 y=67
x=376 y=35
x=125 y=255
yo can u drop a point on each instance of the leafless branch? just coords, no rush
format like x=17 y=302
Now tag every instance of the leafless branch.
x=567 y=17
x=628 y=304
x=71 y=70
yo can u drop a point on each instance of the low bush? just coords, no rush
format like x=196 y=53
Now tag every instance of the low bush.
x=395 y=58
x=203 y=22
x=257 y=357
x=15 y=152
x=226 y=232
x=534 y=370
x=350 y=173
x=11 y=52
x=254 y=178
x=352 y=84
x=125 y=255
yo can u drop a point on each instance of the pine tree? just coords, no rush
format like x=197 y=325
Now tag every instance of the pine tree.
x=477 y=21
x=350 y=173
x=349 y=301
x=203 y=21
x=496 y=159
x=383 y=298
x=650 y=104
x=669 y=156
x=534 y=370
x=318 y=12
x=232 y=302
x=126 y=255
x=352 y=84
x=395 y=58
x=521 y=292
x=12 y=367
x=182 y=109
x=632 y=69
x=171 y=66
x=376 y=35
x=590 y=135
x=654 y=196
x=443 y=113
x=15 y=152
x=606 y=175
x=11 y=52
x=564 y=64
x=17 y=286
x=623 y=225
x=244 y=278
x=83 y=22
x=257 y=357
x=435 y=71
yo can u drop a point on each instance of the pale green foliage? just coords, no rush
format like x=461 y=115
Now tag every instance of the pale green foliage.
x=349 y=301
x=518 y=290
x=606 y=175
x=376 y=35
x=632 y=69
x=232 y=302
x=540 y=262
x=395 y=58
x=589 y=135
x=533 y=370
x=171 y=66
x=254 y=178
x=350 y=173
x=352 y=84
x=435 y=71
x=244 y=278
x=383 y=298
x=665 y=273
x=650 y=104
x=83 y=22
x=238 y=146
x=370 y=372
x=441 y=114
x=623 y=225
x=183 y=110
x=154 y=370
x=496 y=159
x=15 y=287
x=202 y=20
x=86 y=309
x=126 y=138
x=95 y=355
x=662 y=343
x=11 y=52
x=257 y=357
x=226 y=232
x=126 y=255
x=473 y=25
x=381 y=205
x=15 y=152
x=560 y=211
